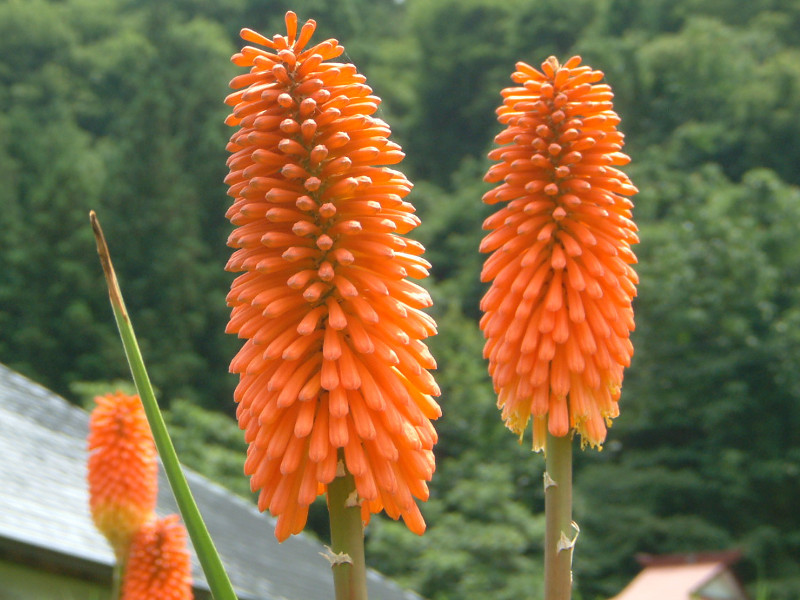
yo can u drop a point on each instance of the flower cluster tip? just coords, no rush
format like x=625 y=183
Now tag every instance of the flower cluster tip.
x=333 y=358
x=558 y=313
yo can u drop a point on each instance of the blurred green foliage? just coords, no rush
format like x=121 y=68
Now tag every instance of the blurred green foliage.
x=116 y=105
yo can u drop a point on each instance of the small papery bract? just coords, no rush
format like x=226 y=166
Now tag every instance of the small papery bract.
x=122 y=469
x=159 y=565
x=558 y=314
x=333 y=373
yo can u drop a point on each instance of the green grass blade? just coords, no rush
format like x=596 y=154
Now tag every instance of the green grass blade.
x=216 y=576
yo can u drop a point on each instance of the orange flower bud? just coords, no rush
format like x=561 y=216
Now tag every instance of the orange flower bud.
x=558 y=315
x=159 y=565
x=123 y=472
x=333 y=363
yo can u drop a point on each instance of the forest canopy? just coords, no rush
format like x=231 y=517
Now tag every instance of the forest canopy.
x=117 y=106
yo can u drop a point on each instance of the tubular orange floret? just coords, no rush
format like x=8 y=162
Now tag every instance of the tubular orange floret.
x=159 y=565
x=122 y=469
x=332 y=363
x=558 y=313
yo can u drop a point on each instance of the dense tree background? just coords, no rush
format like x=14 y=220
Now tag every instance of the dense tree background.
x=116 y=105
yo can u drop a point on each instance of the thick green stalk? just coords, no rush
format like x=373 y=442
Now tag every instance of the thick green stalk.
x=347 y=537
x=559 y=528
x=210 y=561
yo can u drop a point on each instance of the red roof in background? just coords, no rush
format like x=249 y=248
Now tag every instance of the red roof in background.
x=684 y=577
x=727 y=557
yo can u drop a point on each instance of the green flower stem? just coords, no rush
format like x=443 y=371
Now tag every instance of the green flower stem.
x=559 y=528
x=210 y=561
x=116 y=580
x=347 y=537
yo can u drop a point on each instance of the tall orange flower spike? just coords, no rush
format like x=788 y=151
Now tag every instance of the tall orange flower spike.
x=558 y=313
x=333 y=364
x=122 y=470
x=159 y=565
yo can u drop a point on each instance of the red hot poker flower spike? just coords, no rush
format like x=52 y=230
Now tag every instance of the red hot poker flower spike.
x=122 y=471
x=159 y=565
x=558 y=313
x=333 y=363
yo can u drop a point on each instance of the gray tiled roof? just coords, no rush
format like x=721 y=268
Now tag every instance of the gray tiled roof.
x=44 y=508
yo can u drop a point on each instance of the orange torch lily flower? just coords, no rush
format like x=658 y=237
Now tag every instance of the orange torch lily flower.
x=558 y=313
x=159 y=565
x=122 y=470
x=333 y=364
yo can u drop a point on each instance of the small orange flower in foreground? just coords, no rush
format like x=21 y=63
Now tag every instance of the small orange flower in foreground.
x=123 y=472
x=159 y=565
x=333 y=364
x=558 y=314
